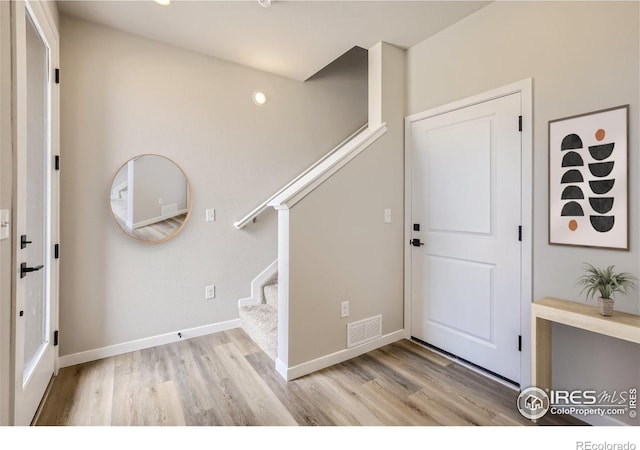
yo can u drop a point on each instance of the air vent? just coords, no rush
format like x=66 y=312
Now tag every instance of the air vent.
x=364 y=331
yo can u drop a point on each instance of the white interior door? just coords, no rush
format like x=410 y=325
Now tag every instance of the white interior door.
x=36 y=200
x=466 y=201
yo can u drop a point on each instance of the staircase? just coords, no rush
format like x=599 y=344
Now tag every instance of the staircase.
x=259 y=313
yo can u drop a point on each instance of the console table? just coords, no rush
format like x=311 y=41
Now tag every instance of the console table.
x=578 y=315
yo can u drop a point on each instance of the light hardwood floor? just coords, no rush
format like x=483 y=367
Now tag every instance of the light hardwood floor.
x=225 y=379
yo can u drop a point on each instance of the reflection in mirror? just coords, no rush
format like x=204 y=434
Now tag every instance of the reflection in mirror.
x=150 y=198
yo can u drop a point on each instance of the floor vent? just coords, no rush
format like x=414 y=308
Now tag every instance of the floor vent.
x=363 y=331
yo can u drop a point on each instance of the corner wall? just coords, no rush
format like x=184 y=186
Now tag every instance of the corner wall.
x=340 y=249
x=582 y=56
x=122 y=96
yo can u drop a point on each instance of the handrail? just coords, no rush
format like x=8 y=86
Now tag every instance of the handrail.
x=314 y=178
x=264 y=205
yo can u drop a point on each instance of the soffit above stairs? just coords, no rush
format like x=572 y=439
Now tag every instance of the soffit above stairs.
x=294 y=39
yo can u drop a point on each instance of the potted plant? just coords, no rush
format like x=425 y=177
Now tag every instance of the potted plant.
x=606 y=282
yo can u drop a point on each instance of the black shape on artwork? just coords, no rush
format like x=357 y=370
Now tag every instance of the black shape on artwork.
x=572 y=193
x=601 y=205
x=572 y=176
x=602 y=223
x=572 y=159
x=601 y=169
x=600 y=152
x=571 y=142
x=572 y=209
x=602 y=186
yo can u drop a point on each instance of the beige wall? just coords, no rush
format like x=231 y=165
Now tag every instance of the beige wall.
x=340 y=249
x=582 y=56
x=122 y=96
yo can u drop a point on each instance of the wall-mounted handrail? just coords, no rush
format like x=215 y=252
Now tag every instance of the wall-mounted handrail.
x=314 y=178
x=264 y=205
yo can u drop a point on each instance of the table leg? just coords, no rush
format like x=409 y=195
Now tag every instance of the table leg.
x=540 y=353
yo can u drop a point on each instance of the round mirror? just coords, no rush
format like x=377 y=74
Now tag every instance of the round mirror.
x=150 y=198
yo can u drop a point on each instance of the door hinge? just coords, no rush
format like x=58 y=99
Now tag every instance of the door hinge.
x=56 y=162
x=57 y=76
x=55 y=338
x=56 y=251
x=520 y=233
x=520 y=343
x=519 y=123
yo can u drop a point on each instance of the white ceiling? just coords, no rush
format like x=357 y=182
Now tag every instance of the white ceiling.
x=294 y=39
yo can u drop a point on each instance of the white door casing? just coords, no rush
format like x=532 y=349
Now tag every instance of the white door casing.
x=36 y=200
x=468 y=289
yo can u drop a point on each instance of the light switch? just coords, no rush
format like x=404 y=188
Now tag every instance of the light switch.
x=387 y=216
x=210 y=292
x=211 y=215
x=5 y=222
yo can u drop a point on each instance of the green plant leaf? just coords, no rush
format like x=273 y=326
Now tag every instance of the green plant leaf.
x=606 y=281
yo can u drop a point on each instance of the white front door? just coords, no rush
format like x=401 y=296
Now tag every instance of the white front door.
x=466 y=203
x=36 y=200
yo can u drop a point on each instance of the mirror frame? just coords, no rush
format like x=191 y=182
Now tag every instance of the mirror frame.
x=189 y=204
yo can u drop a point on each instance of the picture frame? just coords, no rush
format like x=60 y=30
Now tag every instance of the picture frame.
x=589 y=179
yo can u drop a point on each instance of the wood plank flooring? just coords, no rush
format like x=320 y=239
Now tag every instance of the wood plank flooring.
x=225 y=379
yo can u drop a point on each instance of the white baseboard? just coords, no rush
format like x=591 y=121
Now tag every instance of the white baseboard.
x=160 y=218
x=139 y=344
x=290 y=373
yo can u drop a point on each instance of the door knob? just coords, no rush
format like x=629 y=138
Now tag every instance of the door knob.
x=24 y=270
x=416 y=242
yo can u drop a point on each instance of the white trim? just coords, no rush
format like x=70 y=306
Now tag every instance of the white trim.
x=526 y=253
x=140 y=344
x=264 y=205
x=256 y=295
x=408 y=226
x=328 y=167
x=525 y=89
x=283 y=289
x=290 y=373
x=147 y=222
x=48 y=25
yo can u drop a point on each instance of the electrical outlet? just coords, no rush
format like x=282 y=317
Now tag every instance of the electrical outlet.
x=344 y=310
x=211 y=215
x=210 y=292
x=387 y=216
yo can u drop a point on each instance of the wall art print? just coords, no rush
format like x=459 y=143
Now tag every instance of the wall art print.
x=588 y=179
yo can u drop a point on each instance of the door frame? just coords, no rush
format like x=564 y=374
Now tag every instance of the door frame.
x=6 y=174
x=45 y=23
x=525 y=89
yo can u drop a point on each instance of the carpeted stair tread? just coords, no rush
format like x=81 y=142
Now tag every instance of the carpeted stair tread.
x=260 y=321
x=271 y=295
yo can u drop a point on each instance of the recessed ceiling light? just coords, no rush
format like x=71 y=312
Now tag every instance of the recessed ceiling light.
x=265 y=3
x=259 y=98
x=163 y=2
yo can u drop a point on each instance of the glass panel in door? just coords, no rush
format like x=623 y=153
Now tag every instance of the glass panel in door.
x=37 y=206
